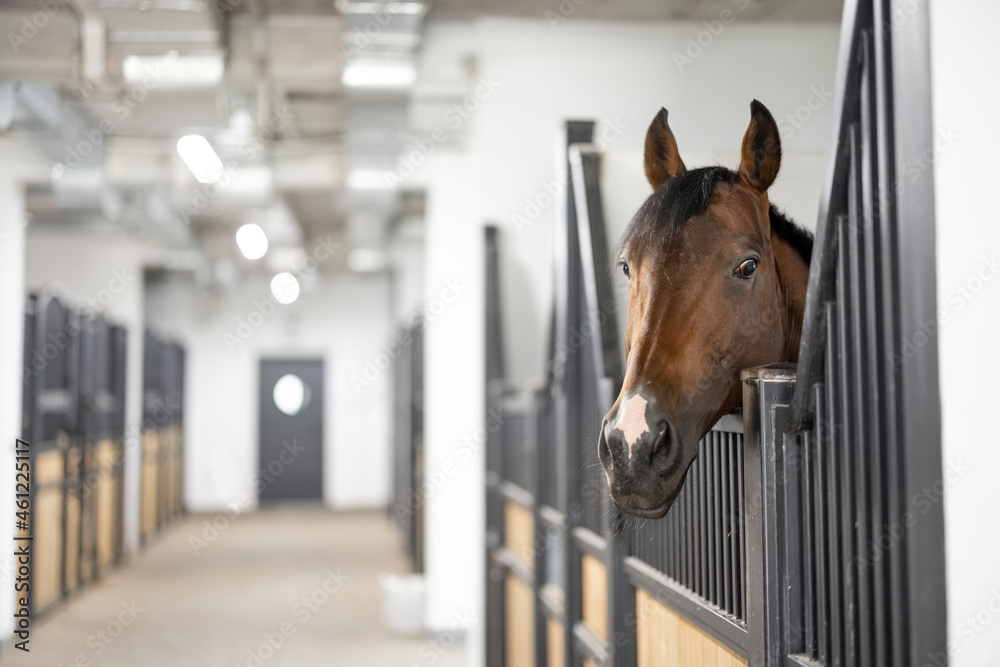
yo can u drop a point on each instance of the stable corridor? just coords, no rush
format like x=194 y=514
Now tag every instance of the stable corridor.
x=291 y=586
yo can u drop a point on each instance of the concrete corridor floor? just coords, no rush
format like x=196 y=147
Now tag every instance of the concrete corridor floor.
x=239 y=600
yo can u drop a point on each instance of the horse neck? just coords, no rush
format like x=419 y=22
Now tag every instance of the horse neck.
x=793 y=278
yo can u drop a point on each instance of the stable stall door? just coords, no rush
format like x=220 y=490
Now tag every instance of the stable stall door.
x=291 y=430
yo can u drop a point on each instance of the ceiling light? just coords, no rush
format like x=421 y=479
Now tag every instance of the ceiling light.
x=379 y=74
x=285 y=288
x=252 y=241
x=172 y=70
x=367 y=179
x=349 y=7
x=367 y=260
x=198 y=155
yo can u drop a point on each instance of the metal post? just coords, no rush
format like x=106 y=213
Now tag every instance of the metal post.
x=767 y=395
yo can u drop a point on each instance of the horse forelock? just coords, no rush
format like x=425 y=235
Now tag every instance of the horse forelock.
x=688 y=195
x=671 y=205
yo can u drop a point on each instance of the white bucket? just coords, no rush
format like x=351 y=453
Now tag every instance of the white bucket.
x=403 y=602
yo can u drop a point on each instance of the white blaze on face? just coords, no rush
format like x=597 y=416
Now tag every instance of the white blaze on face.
x=632 y=420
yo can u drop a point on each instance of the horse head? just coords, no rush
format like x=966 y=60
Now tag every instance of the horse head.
x=716 y=283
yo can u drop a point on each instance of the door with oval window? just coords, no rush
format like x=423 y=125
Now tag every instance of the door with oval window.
x=291 y=430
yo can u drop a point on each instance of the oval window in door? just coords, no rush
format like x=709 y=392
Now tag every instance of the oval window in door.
x=290 y=394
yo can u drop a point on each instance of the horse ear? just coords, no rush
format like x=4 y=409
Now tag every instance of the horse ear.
x=661 y=158
x=761 y=157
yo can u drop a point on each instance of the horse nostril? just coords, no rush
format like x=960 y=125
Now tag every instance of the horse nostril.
x=663 y=439
x=661 y=446
x=604 y=451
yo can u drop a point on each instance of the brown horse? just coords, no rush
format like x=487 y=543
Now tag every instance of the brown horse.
x=717 y=283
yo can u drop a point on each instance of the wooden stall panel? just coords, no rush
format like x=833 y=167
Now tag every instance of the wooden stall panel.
x=520 y=623
x=176 y=469
x=149 y=491
x=162 y=471
x=179 y=480
x=519 y=531
x=74 y=510
x=118 y=484
x=595 y=596
x=47 y=521
x=666 y=639
x=107 y=507
x=88 y=510
x=170 y=458
x=555 y=643
x=167 y=473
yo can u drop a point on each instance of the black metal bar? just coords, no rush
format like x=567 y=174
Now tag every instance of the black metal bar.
x=809 y=579
x=568 y=386
x=515 y=564
x=791 y=531
x=918 y=413
x=741 y=495
x=845 y=446
x=857 y=357
x=587 y=645
x=514 y=493
x=834 y=490
x=711 y=467
x=495 y=590
x=820 y=502
x=590 y=543
x=701 y=526
x=726 y=484
x=764 y=389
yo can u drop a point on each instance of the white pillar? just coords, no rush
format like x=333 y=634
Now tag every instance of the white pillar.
x=967 y=136
x=19 y=163
x=454 y=438
x=11 y=351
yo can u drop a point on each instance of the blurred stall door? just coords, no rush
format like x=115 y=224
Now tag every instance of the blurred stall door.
x=291 y=429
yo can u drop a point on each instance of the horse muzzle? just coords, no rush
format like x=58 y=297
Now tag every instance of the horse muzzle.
x=642 y=457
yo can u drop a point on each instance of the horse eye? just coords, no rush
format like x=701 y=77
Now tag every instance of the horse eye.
x=624 y=266
x=747 y=268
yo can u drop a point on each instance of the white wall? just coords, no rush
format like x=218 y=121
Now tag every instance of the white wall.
x=964 y=59
x=102 y=271
x=407 y=279
x=345 y=321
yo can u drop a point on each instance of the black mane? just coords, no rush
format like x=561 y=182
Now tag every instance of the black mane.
x=687 y=195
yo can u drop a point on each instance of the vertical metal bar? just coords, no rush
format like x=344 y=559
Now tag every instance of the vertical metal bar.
x=808 y=546
x=702 y=526
x=844 y=414
x=767 y=395
x=569 y=387
x=866 y=533
x=850 y=341
x=832 y=428
x=713 y=512
x=722 y=479
x=741 y=539
x=723 y=537
x=917 y=404
x=868 y=336
x=727 y=524
x=687 y=535
x=821 y=502
x=696 y=531
x=791 y=536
